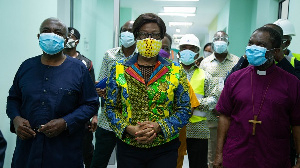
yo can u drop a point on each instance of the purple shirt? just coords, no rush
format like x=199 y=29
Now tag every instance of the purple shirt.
x=269 y=147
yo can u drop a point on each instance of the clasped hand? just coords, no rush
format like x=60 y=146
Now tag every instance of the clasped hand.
x=51 y=129
x=144 y=132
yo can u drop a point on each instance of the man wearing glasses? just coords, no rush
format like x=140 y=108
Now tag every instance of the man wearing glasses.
x=218 y=65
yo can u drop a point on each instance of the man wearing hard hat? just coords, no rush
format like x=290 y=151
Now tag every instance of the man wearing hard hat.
x=288 y=32
x=197 y=131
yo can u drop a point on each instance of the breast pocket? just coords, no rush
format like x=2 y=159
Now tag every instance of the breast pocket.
x=66 y=102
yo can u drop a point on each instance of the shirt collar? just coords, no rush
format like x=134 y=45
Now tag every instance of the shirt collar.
x=228 y=57
x=120 y=51
x=268 y=71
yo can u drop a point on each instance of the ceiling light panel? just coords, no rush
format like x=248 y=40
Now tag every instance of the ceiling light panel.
x=177 y=14
x=180 y=24
x=177 y=0
x=180 y=9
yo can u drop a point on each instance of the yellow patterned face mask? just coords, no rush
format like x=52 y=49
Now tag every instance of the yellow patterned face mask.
x=148 y=47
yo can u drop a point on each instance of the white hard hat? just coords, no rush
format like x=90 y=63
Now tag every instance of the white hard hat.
x=287 y=27
x=190 y=39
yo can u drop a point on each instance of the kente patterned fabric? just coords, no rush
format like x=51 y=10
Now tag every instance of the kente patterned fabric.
x=164 y=99
x=109 y=59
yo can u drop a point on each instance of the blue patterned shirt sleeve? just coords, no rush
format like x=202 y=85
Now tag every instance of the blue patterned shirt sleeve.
x=171 y=125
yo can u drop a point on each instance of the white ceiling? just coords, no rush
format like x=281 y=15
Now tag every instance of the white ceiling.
x=206 y=11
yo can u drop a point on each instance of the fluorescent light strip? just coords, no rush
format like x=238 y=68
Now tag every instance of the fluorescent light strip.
x=180 y=9
x=176 y=0
x=180 y=23
x=177 y=14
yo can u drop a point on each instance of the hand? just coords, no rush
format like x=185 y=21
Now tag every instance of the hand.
x=23 y=128
x=218 y=161
x=297 y=164
x=93 y=124
x=148 y=132
x=216 y=113
x=53 y=127
x=101 y=92
x=132 y=129
x=144 y=132
x=150 y=124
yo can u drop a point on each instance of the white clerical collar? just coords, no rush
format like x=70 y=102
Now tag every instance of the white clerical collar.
x=261 y=72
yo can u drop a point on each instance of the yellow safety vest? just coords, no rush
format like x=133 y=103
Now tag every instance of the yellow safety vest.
x=293 y=61
x=197 y=83
x=297 y=56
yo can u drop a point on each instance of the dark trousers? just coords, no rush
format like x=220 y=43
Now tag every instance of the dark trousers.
x=197 y=152
x=163 y=156
x=88 y=147
x=105 y=144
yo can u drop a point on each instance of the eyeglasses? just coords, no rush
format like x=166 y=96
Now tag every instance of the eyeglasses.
x=220 y=39
x=284 y=40
x=143 y=35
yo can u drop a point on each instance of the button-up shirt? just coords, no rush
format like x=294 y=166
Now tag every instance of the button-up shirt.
x=218 y=71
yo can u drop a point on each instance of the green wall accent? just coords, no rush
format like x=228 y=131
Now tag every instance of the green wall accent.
x=239 y=25
x=294 y=18
x=223 y=17
x=125 y=15
x=246 y=16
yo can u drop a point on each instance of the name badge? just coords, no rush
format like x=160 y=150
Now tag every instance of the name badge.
x=221 y=84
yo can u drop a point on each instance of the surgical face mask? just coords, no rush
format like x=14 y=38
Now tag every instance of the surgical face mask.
x=256 y=55
x=164 y=53
x=148 y=47
x=220 y=46
x=187 y=57
x=71 y=43
x=51 y=43
x=206 y=54
x=127 y=39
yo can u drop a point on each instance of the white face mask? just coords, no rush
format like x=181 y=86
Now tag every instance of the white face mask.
x=206 y=54
x=127 y=39
x=220 y=46
x=71 y=43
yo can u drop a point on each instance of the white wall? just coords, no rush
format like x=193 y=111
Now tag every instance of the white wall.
x=20 y=21
x=294 y=18
x=94 y=21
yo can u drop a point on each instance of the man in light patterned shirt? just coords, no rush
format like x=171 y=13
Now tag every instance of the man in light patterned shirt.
x=105 y=137
x=218 y=65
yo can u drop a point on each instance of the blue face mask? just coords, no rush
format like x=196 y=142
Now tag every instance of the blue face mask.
x=187 y=57
x=256 y=55
x=127 y=39
x=220 y=46
x=51 y=43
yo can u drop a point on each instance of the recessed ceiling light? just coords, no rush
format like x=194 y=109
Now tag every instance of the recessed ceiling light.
x=180 y=23
x=177 y=30
x=176 y=0
x=180 y=9
x=177 y=14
